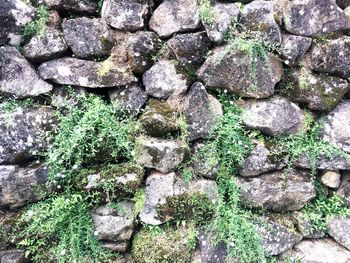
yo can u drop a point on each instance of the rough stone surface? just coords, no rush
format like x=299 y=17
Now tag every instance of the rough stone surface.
x=13 y=256
x=224 y=14
x=293 y=48
x=88 y=37
x=304 y=226
x=344 y=188
x=331 y=178
x=23 y=133
x=338 y=228
x=332 y=57
x=314 y=17
x=162 y=80
x=337 y=126
x=114 y=227
x=20 y=186
x=17 y=77
x=162 y=155
x=325 y=163
x=130 y=98
x=175 y=16
x=51 y=45
x=76 y=6
x=204 y=164
x=126 y=15
x=274 y=117
x=202 y=110
x=258 y=17
x=278 y=192
x=231 y=69
x=78 y=72
x=209 y=251
x=206 y=187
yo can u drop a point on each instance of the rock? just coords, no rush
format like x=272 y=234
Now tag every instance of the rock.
x=205 y=187
x=337 y=125
x=65 y=97
x=338 y=228
x=317 y=251
x=189 y=49
x=278 y=191
x=276 y=116
x=175 y=16
x=332 y=57
x=258 y=17
x=13 y=256
x=8 y=229
x=202 y=110
x=230 y=69
x=162 y=80
x=45 y=47
x=20 y=186
x=24 y=133
x=204 y=162
x=331 y=178
x=126 y=15
x=224 y=14
x=14 y=15
x=83 y=73
x=258 y=162
x=88 y=37
x=75 y=6
x=293 y=48
x=344 y=189
x=304 y=226
x=210 y=251
x=17 y=77
x=158 y=119
x=54 y=20
x=162 y=155
x=130 y=98
x=324 y=163
x=158 y=187
x=114 y=226
x=314 y=17
x=319 y=92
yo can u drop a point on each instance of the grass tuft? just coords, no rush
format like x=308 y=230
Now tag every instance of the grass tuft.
x=38 y=26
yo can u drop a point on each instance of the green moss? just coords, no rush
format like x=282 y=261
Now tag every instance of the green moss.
x=206 y=12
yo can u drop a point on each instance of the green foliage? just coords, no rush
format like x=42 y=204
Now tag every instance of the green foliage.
x=206 y=12
x=60 y=229
x=140 y=200
x=10 y=106
x=187 y=174
x=38 y=26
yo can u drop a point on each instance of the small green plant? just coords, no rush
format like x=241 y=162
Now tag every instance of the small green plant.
x=139 y=199
x=9 y=107
x=187 y=174
x=38 y=26
x=105 y=67
x=206 y=12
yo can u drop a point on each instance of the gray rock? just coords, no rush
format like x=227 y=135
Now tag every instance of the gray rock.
x=88 y=37
x=205 y=187
x=258 y=17
x=204 y=163
x=293 y=48
x=158 y=187
x=130 y=98
x=278 y=191
x=175 y=16
x=231 y=70
x=314 y=17
x=162 y=155
x=20 y=186
x=13 y=256
x=317 y=251
x=319 y=92
x=83 y=73
x=332 y=57
x=63 y=97
x=337 y=125
x=331 y=178
x=304 y=226
x=211 y=252
x=24 y=133
x=114 y=226
x=344 y=189
x=338 y=228
x=45 y=47
x=14 y=15
x=17 y=77
x=324 y=163
x=202 y=110
x=276 y=116
x=75 y=6
x=162 y=80
x=224 y=15
x=126 y=15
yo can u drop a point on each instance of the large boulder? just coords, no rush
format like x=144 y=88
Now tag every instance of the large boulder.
x=24 y=133
x=314 y=17
x=332 y=57
x=276 y=116
x=230 y=69
x=293 y=48
x=83 y=73
x=88 y=37
x=338 y=228
x=20 y=186
x=45 y=47
x=75 y=6
x=337 y=125
x=175 y=16
x=17 y=77
x=126 y=15
x=278 y=191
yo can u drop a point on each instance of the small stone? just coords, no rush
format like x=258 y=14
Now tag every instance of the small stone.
x=331 y=178
x=293 y=48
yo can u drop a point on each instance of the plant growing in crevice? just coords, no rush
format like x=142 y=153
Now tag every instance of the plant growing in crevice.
x=38 y=26
x=206 y=12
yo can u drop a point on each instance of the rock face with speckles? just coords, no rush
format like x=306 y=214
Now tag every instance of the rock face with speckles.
x=293 y=48
x=83 y=73
x=13 y=256
x=18 y=78
x=75 y=6
x=23 y=133
x=338 y=228
x=344 y=188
